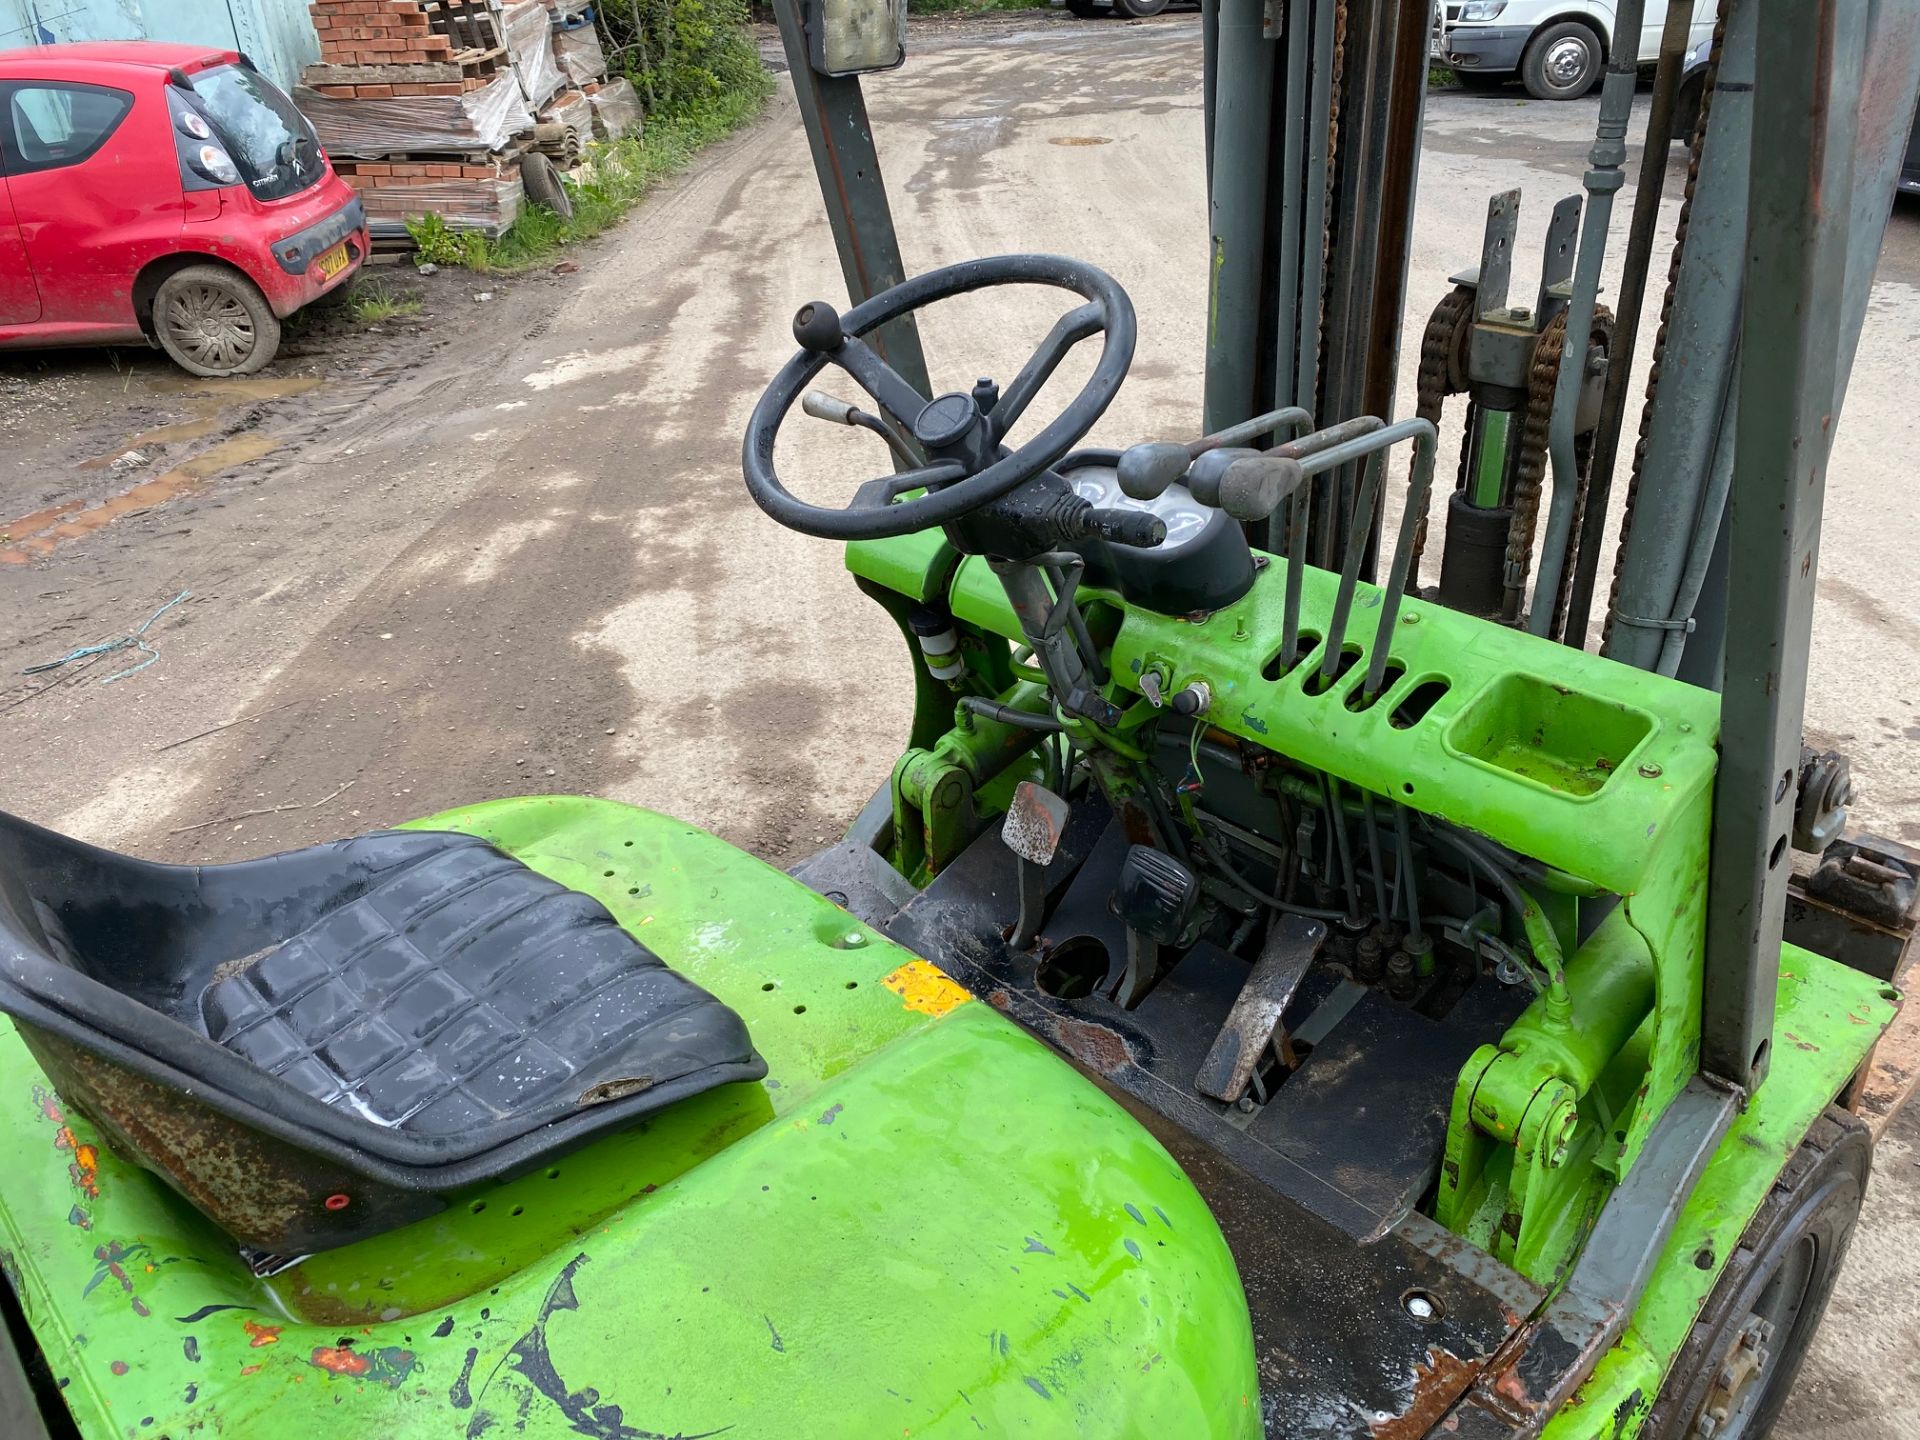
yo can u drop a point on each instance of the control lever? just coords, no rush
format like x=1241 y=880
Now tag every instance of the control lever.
x=822 y=406
x=1253 y=1025
x=1248 y=484
x=1035 y=821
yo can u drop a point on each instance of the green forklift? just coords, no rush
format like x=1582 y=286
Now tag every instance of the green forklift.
x=1275 y=993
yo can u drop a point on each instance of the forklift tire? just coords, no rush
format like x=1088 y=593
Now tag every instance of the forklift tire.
x=1138 y=9
x=1562 y=62
x=1753 y=1333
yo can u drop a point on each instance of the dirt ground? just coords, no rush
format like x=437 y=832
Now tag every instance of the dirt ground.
x=502 y=547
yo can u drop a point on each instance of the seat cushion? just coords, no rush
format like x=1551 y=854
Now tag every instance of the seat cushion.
x=460 y=993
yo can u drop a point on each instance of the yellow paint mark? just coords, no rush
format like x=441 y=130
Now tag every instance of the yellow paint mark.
x=925 y=987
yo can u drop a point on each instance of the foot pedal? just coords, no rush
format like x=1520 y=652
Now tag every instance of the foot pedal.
x=1035 y=821
x=1159 y=898
x=1254 y=1022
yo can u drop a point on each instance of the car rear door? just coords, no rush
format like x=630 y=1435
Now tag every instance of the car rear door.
x=90 y=202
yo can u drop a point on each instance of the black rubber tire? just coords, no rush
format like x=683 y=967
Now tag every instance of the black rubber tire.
x=1138 y=9
x=1534 y=73
x=1817 y=1197
x=1087 y=10
x=215 y=297
x=543 y=184
x=1686 y=107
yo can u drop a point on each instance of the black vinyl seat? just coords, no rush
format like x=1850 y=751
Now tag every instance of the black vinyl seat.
x=373 y=1022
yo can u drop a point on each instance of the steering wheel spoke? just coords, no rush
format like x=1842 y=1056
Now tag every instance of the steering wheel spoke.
x=1068 y=331
x=890 y=390
x=879 y=494
x=953 y=486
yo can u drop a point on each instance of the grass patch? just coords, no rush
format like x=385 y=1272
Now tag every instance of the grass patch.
x=370 y=302
x=610 y=181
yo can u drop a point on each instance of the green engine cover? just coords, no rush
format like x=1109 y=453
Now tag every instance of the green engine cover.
x=921 y=1223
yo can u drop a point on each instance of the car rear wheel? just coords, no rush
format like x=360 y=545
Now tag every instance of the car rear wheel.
x=213 y=321
x=1139 y=9
x=1562 y=62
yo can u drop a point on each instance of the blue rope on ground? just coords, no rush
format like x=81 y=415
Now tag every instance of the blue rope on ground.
x=136 y=641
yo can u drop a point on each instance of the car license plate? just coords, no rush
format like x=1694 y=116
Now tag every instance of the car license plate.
x=334 y=261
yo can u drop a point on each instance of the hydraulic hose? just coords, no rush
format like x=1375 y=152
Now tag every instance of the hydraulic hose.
x=1540 y=936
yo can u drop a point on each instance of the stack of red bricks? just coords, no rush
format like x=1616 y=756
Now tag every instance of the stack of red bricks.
x=415 y=101
x=383 y=32
x=365 y=175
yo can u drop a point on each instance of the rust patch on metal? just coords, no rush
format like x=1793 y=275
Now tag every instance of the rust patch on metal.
x=1436 y=1385
x=1093 y=1045
x=1035 y=822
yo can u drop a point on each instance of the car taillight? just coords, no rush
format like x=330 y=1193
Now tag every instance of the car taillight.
x=191 y=122
x=214 y=163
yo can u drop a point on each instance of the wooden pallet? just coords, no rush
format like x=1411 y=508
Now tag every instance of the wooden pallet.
x=472 y=25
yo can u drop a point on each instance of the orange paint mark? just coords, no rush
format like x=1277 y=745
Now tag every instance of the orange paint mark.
x=251 y=1369
x=924 y=987
x=261 y=1334
x=339 y=1360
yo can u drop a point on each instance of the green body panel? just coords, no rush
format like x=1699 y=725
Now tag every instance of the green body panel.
x=1591 y=767
x=1827 y=1019
x=1570 y=806
x=922 y=1223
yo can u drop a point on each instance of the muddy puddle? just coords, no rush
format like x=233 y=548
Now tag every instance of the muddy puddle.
x=209 y=405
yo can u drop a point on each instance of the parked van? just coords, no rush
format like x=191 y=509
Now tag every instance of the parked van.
x=1557 y=48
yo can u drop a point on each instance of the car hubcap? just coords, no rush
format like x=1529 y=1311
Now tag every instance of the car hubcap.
x=210 y=326
x=1566 y=63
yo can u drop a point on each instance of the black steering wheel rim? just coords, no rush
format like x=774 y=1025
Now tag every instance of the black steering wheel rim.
x=1118 y=332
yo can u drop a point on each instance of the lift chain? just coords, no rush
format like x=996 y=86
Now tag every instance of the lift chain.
x=1659 y=351
x=1530 y=468
x=1443 y=372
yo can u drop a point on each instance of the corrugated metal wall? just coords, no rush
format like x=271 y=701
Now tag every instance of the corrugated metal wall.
x=275 y=34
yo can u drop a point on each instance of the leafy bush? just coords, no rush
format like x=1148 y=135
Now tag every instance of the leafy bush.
x=681 y=55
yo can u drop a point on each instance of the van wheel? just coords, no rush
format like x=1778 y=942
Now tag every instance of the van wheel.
x=1562 y=62
x=1737 y=1366
x=214 y=321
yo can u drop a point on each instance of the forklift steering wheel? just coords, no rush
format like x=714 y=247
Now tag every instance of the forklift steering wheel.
x=969 y=467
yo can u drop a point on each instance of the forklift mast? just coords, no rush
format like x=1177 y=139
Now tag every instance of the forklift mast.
x=1313 y=116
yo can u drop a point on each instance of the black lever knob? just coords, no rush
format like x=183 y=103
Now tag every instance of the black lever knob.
x=816 y=326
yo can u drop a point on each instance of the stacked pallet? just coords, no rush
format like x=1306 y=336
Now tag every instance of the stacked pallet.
x=418 y=104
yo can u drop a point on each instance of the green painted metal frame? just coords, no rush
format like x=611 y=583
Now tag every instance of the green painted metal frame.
x=921 y=1222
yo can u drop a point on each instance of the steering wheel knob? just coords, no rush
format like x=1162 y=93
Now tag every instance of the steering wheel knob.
x=817 y=327
x=945 y=420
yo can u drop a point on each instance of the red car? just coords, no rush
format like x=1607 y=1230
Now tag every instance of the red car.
x=166 y=193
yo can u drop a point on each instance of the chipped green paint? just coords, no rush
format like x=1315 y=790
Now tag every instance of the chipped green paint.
x=918 y=1224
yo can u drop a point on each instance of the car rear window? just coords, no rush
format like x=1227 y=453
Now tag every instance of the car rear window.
x=50 y=125
x=270 y=141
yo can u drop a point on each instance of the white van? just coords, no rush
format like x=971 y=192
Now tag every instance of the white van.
x=1558 y=47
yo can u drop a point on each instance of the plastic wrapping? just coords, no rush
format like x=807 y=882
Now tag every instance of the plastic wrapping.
x=616 y=110
x=529 y=36
x=574 y=111
x=578 y=54
x=483 y=119
x=485 y=205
